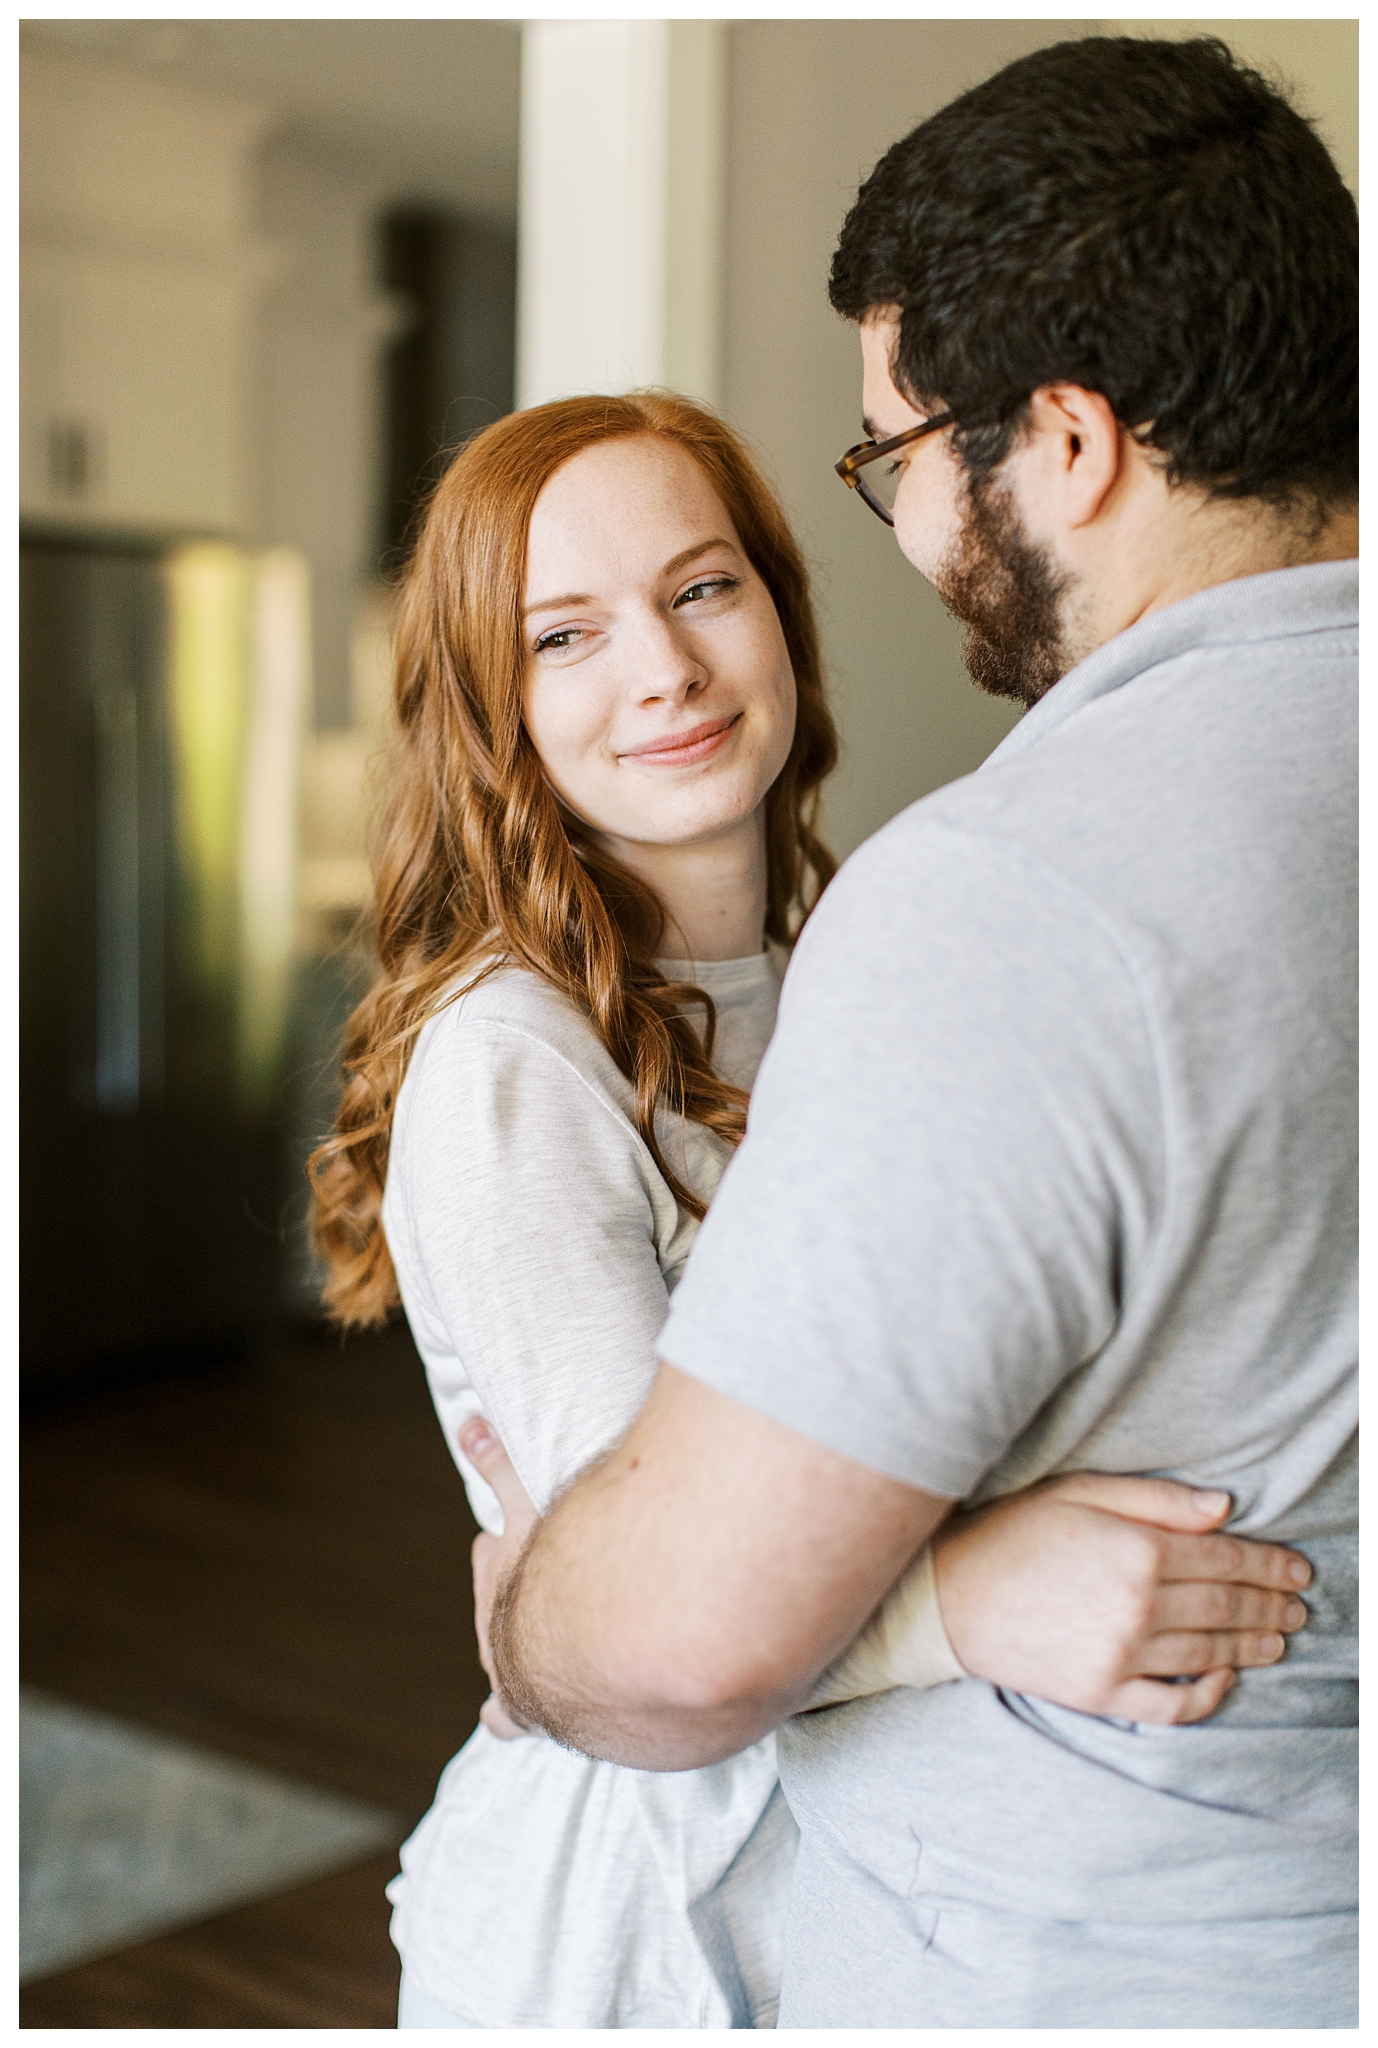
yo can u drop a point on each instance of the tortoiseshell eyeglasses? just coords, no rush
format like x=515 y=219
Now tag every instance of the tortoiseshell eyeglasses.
x=877 y=487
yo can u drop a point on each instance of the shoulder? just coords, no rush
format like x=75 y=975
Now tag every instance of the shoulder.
x=517 y=998
x=512 y=1016
x=506 y=1066
x=513 y=1119
x=969 y=948
x=962 y=864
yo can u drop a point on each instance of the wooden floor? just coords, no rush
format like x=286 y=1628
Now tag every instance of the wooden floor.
x=270 y=1561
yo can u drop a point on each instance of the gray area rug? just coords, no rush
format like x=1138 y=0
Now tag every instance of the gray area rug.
x=124 y=1834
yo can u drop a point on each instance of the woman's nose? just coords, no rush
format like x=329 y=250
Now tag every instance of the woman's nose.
x=668 y=670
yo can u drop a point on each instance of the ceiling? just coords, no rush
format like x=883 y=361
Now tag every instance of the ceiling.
x=427 y=109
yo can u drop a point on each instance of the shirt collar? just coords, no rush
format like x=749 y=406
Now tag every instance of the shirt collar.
x=1283 y=604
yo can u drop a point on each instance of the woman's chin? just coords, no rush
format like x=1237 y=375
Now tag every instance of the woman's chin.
x=671 y=829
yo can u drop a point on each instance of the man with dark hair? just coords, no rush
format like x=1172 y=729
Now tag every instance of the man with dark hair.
x=1051 y=1162
x=1200 y=275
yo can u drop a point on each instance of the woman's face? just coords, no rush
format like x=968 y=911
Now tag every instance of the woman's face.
x=659 y=693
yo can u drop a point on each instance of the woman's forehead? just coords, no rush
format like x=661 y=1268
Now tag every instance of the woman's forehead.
x=643 y=470
x=637 y=496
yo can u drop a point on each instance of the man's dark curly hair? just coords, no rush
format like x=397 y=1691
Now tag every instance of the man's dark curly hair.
x=1150 y=220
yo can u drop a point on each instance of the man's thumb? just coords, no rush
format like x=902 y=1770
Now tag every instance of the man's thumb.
x=483 y=1448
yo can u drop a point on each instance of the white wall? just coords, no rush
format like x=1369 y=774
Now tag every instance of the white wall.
x=141 y=272
x=620 y=220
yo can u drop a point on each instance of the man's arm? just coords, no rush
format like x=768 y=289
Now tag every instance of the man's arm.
x=684 y=1595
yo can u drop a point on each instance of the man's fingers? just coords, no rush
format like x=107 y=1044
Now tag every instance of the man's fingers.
x=483 y=1448
x=479 y=1553
x=1170 y=1706
x=1233 y=1558
x=1164 y=1502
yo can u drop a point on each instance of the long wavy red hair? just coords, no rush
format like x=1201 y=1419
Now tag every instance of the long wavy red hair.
x=476 y=860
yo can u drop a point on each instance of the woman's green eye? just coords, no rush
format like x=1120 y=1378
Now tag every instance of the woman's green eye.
x=710 y=584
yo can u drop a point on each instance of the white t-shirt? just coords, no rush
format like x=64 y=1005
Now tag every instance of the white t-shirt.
x=536 y=1245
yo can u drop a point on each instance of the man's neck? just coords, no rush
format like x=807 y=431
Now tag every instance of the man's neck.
x=1184 y=544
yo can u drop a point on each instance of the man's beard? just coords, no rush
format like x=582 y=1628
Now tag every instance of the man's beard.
x=1007 y=593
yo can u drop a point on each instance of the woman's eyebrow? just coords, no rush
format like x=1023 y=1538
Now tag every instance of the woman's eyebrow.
x=701 y=547
x=679 y=561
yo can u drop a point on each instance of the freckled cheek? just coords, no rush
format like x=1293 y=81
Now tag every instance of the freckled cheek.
x=572 y=743
x=786 y=696
x=764 y=658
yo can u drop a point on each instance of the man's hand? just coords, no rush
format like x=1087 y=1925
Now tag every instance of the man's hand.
x=494 y=1557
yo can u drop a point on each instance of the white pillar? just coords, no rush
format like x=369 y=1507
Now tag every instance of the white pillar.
x=620 y=234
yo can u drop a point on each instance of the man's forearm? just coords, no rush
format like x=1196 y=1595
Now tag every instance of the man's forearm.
x=590 y=1712
x=581 y=1652
x=685 y=1594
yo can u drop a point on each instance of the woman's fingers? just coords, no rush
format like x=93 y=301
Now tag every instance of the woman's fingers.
x=1168 y=1656
x=1216 y=1604
x=1169 y=1706
x=1232 y=1558
x=1187 y=1514
x=1164 y=1502
x=481 y=1445
x=1197 y=1625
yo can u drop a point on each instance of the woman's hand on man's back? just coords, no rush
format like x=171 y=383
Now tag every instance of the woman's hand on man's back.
x=1092 y=1590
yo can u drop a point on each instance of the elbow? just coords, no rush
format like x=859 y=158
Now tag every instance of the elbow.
x=653 y=1690
x=668 y=1719
x=653 y=1704
x=687 y=1677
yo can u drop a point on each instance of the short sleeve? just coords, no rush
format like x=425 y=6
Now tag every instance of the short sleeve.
x=532 y=1218
x=954 y=1149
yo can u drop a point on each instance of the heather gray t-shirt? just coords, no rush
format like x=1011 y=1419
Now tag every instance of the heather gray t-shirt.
x=1051 y=1165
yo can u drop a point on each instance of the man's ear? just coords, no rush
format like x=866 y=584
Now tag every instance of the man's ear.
x=1076 y=446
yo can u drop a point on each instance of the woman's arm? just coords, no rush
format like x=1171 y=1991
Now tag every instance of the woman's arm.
x=904 y=1643
x=531 y=1238
x=1089 y=1591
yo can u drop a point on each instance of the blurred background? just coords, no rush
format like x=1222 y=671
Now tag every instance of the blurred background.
x=272 y=274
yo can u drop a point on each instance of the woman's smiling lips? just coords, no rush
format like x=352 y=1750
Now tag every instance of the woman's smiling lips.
x=682 y=749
